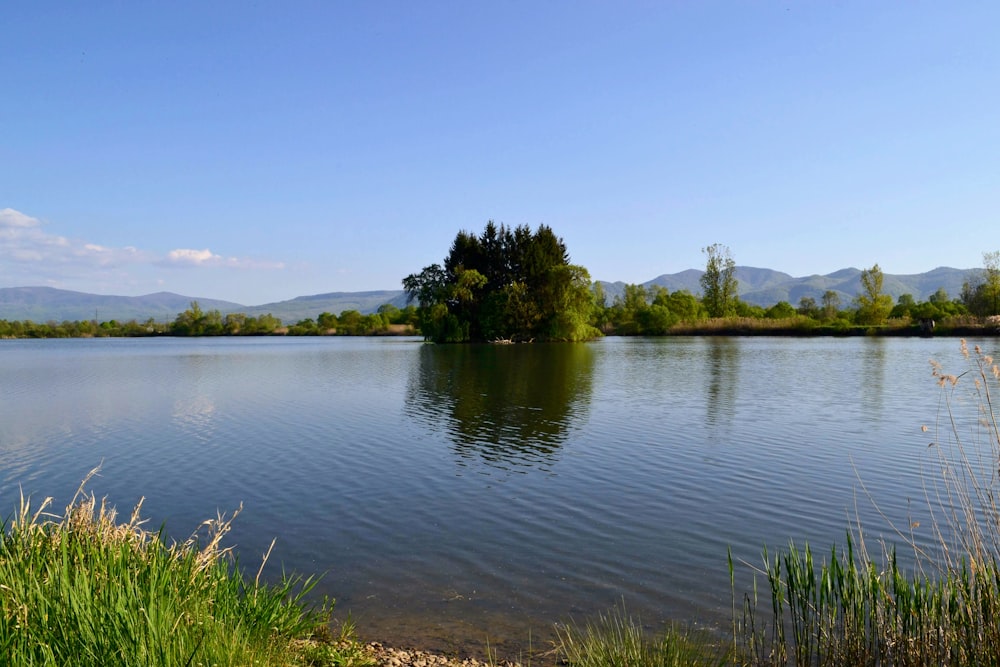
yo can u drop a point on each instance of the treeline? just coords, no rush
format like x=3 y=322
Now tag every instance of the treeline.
x=514 y=285
x=196 y=322
x=655 y=311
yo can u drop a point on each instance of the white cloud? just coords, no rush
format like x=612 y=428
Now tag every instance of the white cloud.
x=15 y=219
x=207 y=258
x=195 y=257
x=30 y=256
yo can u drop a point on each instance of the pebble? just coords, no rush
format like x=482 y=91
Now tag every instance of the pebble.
x=391 y=657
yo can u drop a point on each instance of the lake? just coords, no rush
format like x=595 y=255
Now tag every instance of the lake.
x=457 y=494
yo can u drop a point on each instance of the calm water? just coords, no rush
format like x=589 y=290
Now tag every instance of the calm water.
x=454 y=494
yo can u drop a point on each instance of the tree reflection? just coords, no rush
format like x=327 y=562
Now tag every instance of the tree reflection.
x=722 y=364
x=873 y=363
x=509 y=406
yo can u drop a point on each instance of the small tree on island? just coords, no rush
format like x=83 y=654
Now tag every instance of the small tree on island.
x=508 y=284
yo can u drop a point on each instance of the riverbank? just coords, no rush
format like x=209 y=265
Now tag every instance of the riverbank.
x=385 y=656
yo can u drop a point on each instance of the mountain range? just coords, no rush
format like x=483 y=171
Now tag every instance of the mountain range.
x=763 y=287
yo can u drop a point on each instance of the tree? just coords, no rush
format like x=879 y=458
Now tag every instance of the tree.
x=940 y=296
x=233 y=323
x=326 y=322
x=904 y=307
x=808 y=307
x=780 y=311
x=873 y=305
x=504 y=284
x=981 y=293
x=831 y=304
x=196 y=322
x=684 y=305
x=718 y=283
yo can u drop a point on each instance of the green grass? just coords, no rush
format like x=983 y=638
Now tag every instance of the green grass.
x=852 y=608
x=616 y=639
x=85 y=589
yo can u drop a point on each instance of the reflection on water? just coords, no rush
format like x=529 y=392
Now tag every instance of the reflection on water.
x=657 y=456
x=509 y=406
x=722 y=371
x=194 y=409
x=872 y=381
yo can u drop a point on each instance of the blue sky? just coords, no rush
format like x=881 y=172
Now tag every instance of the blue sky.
x=260 y=151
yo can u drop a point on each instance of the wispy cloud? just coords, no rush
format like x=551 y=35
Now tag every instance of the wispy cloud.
x=23 y=240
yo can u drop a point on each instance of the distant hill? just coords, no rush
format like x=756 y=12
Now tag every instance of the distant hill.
x=763 y=287
x=304 y=307
x=42 y=304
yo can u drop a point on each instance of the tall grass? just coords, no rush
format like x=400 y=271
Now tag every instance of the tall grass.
x=84 y=588
x=853 y=607
x=615 y=639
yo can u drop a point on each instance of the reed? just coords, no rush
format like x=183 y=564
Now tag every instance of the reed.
x=84 y=588
x=853 y=607
x=617 y=639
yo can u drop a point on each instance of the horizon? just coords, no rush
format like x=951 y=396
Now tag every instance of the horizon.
x=258 y=304
x=271 y=152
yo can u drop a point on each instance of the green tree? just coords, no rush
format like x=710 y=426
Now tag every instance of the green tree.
x=940 y=296
x=780 y=311
x=831 y=304
x=505 y=283
x=807 y=307
x=904 y=307
x=629 y=309
x=873 y=305
x=981 y=293
x=326 y=322
x=191 y=322
x=718 y=282
x=683 y=305
x=234 y=323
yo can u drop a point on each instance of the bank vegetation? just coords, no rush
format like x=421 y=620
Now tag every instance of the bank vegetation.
x=513 y=285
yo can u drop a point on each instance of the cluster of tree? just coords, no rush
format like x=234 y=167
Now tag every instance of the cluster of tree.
x=196 y=322
x=505 y=284
x=515 y=284
x=646 y=312
x=981 y=294
x=353 y=323
x=81 y=329
x=654 y=311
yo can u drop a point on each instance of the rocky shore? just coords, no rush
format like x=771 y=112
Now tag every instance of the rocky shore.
x=393 y=657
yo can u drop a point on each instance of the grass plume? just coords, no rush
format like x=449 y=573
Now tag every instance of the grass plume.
x=84 y=588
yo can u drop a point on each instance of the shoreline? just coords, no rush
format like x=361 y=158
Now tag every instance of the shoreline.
x=388 y=656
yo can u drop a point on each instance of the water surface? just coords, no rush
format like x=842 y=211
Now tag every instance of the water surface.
x=452 y=494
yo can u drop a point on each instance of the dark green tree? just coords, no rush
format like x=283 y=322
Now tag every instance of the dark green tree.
x=504 y=284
